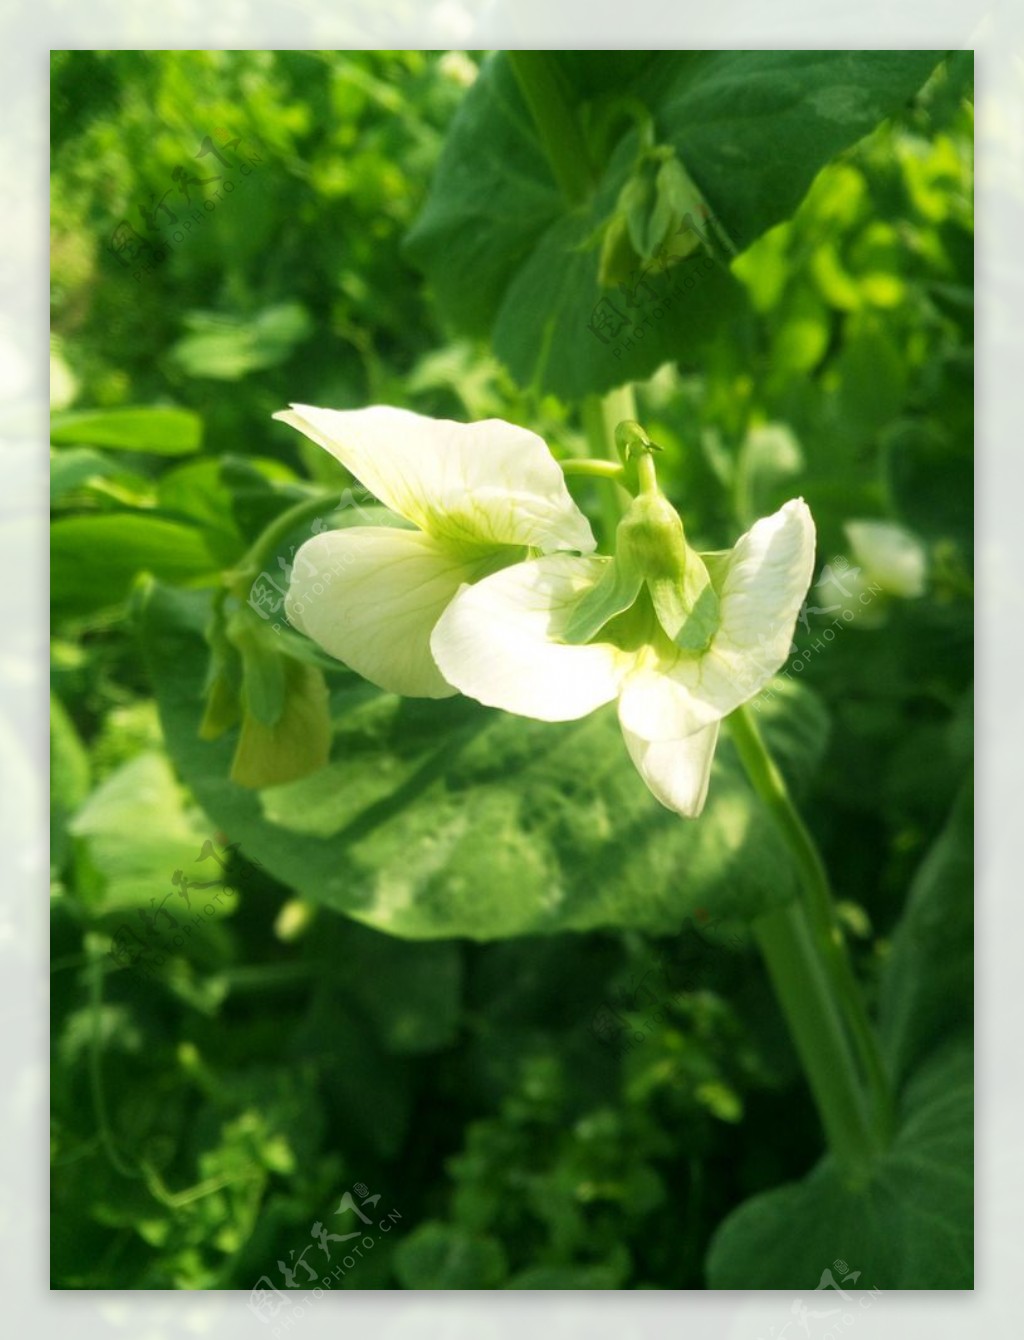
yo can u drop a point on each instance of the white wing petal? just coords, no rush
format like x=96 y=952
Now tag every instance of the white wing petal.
x=370 y=596
x=498 y=642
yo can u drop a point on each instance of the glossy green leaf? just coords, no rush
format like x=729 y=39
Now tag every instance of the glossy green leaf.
x=439 y=819
x=94 y=559
x=159 y=430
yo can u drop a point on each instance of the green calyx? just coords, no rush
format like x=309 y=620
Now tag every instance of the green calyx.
x=652 y=560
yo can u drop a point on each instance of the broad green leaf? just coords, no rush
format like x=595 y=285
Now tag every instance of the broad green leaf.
x=440 y=819
x=95 y=559
x=74 y=467
x=910 y=1226
x=197 y=491
x=158 y=430
x=492 y=199
x=558 y=330
x=928 y=987
x=507 y=256
x=728 y=113
x=136 y=831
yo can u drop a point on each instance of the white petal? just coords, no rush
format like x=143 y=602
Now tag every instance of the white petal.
x=677 y=772
x=652 y=706
x=498 y=642
x=370 y=596
x=473 y=483
x=765 y=582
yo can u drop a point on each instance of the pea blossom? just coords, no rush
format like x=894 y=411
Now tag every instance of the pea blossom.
x=680 y=641
x=487 y=584
x=466 y=499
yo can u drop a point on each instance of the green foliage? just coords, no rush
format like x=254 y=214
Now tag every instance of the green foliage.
x=428 y=912
x=166 y=432
x=912 y=1220
x=528 y=268
x=441 y=819
x=927 y=991
x=96 y=558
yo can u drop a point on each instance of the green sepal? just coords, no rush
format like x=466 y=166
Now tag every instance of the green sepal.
x=263 y=668
x=652 y=541
x=683 y=201
x=615 y=592
x=223 y=681
x=662 y=221
x=222 y=706
x=637 y=202
x=687 y=611
x=717 y=562
x=618 y=259
x=297 y=743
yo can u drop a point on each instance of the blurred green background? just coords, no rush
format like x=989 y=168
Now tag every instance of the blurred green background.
x=214 y=1100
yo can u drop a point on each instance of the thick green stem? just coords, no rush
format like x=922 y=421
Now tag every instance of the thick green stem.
x=770 y=785
x=540 y=82
x=805 y=995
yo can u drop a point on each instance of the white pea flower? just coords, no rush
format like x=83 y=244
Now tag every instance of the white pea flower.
x=478 y=496
x=680 y=639
x=889 y=555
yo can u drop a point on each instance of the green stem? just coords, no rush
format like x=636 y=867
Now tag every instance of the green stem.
x=805 y=995
x=647 y=474
x=595 y=469
x=94 y=976
x=145 y=1172
x=770 y=785
x=241 y=577
x=601 y=415
x=540 y=83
